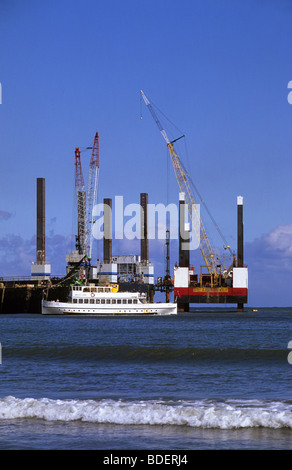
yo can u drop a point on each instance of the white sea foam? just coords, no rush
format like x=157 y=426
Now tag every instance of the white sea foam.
x=229 y=414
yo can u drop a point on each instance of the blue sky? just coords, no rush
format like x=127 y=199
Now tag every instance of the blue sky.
x=218 y=70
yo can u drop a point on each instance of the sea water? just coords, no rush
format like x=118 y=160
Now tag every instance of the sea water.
x=206 y=379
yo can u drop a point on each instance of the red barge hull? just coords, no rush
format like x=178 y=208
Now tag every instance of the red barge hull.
x=205 y=295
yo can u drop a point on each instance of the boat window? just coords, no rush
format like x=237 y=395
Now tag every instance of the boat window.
x=114 y=301
x=98 y=301
x=74 y=301
x=91 y=301
x=135 y=301
x=93 y=289
x=86 y=301
x=107 y=289
x=86 y=289
x=129 y=301
x=103 y=301
x=108 y=301
x=81 y=301
x=119 y=301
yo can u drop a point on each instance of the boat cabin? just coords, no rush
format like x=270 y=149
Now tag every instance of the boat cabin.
x=104 y=295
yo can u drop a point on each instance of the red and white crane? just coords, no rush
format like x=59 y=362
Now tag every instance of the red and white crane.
x=86 y=201
x=92 y=191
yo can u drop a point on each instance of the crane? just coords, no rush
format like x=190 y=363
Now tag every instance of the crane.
x=184 y=183
x=92 y=191
x=81 y=205
x=86 y=201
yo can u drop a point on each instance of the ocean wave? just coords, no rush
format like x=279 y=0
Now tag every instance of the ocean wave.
x=142 y=353
x=228 y=414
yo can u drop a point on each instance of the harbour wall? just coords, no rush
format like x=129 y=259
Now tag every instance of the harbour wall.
x=26 y=298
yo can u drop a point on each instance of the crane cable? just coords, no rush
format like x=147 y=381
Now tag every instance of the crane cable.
x=205 y=205
x=190 y=179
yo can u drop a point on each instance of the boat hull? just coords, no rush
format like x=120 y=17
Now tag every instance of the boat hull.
x=64 y=308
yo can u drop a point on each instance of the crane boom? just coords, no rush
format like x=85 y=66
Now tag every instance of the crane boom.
x=92 y=191
x=183 y=182
x=147 y=102
x=81 y=204
x=86 y=201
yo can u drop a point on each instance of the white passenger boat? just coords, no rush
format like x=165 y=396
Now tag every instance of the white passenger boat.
x=105 y=300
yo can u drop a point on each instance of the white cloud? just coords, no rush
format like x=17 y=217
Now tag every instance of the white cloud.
x=280 y=240
x=269 y=260
x=17 y=254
